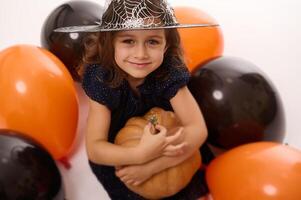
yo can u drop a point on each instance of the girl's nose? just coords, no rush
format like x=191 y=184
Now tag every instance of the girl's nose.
x=141 y=51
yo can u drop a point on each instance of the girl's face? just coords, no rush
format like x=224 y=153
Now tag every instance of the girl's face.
x=139 y=52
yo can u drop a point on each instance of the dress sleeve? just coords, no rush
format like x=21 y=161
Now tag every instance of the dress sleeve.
x=178 y=77
x=95 y=87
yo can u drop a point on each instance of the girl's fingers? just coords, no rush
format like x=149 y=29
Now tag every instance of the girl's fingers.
x=172 y=153
x=125 y=179
x=119 y=172
x=147 y=127
x=150 y=128
x=136 y=183
x=176 y=136
x=161 y=129
x=174 y=150
x=130 y=182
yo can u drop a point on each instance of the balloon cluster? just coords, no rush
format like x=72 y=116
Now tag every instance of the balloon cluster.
x=245 y=119
x=242 y=109
x=36 y=84
x=39 y=105
x=38 y=101
x=38 y=97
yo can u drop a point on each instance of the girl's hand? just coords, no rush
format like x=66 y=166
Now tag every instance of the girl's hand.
x=155 y=145
x=176 y=144
x=134 y=174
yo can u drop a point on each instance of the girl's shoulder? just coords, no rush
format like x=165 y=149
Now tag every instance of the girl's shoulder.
x=94 y=72
x=176 y=75
x=95 y=86
x=173 y=68
x=177 y=69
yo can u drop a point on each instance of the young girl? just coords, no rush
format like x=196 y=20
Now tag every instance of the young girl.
x=133 y=63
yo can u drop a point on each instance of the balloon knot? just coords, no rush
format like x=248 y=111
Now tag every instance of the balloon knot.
x=65 y=162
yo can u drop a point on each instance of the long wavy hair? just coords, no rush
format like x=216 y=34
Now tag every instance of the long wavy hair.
x=99 y=49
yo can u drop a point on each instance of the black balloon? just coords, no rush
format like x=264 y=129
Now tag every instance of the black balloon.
x=27 y=171
x=240 y=105
x=68 y=47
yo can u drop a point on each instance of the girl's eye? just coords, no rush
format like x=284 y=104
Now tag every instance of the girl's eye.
x=128 y=41
x=153 y=42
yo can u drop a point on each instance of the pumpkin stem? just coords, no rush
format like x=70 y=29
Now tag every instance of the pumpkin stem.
x=153 y=119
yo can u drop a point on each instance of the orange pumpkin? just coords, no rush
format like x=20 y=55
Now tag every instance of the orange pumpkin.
x=171 y=180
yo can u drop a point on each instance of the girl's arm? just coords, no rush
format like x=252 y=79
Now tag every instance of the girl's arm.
x=103 y=152
x=195 y=133
x=191 y=117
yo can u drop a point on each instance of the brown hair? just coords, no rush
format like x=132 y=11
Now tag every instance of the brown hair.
x=99 y=49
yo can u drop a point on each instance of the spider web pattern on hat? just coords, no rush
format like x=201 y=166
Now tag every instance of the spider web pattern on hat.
x=132 y=14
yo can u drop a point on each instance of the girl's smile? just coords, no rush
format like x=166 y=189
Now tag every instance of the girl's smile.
x=140 y=65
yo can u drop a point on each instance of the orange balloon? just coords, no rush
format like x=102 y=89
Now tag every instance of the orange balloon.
x=262 y=170
x=200 y=44
x=38 y=98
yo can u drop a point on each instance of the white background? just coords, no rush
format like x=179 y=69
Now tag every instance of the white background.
x=265 y=32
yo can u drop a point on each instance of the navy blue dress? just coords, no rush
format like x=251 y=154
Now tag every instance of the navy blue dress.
x=124 y=104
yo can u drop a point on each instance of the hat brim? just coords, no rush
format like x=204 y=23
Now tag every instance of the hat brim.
x=98 y=28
